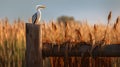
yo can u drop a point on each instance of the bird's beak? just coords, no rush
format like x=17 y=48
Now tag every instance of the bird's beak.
x=42 y=6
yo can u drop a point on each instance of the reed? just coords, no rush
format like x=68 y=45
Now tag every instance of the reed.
x=12 y=44
x=12 y=38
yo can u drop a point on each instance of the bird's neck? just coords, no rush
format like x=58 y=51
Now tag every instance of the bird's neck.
x=39 y=14
x=39 y=10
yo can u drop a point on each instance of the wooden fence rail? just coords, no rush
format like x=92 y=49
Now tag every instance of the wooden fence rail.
x=36 y=50
x=59 y=51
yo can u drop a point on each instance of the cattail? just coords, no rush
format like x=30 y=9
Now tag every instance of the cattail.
x=117 y=20
x=109 y=16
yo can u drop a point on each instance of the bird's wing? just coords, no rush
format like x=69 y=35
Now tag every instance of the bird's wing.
x=34 y=18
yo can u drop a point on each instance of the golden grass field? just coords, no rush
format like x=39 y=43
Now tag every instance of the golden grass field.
x=12 y=43
x=12 y=37
x=74 y=31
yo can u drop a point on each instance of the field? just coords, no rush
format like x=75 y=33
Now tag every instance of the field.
x=13 y=44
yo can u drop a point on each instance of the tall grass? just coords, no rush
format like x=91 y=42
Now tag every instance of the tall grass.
x=80 y=32
x=12 y=43
x=12 y=38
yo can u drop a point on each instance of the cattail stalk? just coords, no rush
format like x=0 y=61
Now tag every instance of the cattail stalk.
x=109 y=18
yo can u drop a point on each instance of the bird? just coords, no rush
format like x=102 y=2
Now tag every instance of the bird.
x=37 y=16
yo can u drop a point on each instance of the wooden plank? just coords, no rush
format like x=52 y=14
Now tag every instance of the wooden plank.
x=112 y=50
x=33 y=46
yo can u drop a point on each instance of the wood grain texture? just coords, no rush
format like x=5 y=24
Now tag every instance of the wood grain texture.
x=33 y=46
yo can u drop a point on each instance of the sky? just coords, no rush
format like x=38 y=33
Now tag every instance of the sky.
x=94 y=11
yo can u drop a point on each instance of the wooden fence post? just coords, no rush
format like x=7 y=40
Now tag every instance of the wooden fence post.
x=33 y=45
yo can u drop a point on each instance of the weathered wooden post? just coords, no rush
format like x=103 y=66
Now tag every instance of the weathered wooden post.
x=33 y=45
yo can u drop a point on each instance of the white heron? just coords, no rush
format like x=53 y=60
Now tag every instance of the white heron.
x=37 y=16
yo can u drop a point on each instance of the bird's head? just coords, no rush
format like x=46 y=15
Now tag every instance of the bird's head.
x=40 y=7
